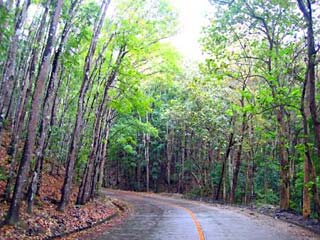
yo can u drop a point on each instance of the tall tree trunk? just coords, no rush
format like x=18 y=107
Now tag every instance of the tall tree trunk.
x=236 y=169
x=284 y=162
x=305 y=112
x=237 y=161
x=71 y=158
x=223 y=168
x=169 y=154
x=139 y=170
x=310 y=97
x=249 y=193
x=147 y=155
x=248 y=185
x=183 y=155
x=14 y=210
x=104 y=149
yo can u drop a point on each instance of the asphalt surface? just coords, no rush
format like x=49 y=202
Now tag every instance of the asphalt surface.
x=164 y=218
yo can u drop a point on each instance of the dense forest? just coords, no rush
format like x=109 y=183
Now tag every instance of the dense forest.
x=93 y=91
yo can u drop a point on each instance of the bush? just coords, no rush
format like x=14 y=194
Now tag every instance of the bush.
x=268 y=197
x=3 y=175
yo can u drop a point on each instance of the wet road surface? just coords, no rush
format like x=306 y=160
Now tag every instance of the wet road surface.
x=162 y=218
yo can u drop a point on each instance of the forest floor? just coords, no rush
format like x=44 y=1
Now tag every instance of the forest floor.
x=46 y=222
x=290 y=216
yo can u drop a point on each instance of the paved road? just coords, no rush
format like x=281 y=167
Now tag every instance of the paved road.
x=163 y=218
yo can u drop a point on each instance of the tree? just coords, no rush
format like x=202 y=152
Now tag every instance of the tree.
x=309 y=82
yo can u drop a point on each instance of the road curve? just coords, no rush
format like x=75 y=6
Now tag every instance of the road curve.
x=163 y=218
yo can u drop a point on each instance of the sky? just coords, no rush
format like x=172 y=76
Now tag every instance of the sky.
x=192 y=16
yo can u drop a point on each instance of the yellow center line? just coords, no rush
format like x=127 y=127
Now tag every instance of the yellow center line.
x=193 y=216
x=195 y=220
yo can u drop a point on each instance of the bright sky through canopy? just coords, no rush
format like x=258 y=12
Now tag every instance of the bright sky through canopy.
x=192 y=16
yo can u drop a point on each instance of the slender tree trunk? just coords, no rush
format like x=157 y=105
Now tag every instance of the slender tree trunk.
x=139 y=167
x=14 y=210
x=250 y=167
x=305 y=112
x=147 y=155
x=169 y=154
x=309 y=93
x=284 y=162
x=236 y=169
x=223 y=168
x=98 y=175
x=104 y=150
x=237 y=162
x=183 y=155
x=248 y=182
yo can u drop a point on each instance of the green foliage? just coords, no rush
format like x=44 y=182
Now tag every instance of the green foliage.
x=267 y=197
x=3 y=175
x=6 y=25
